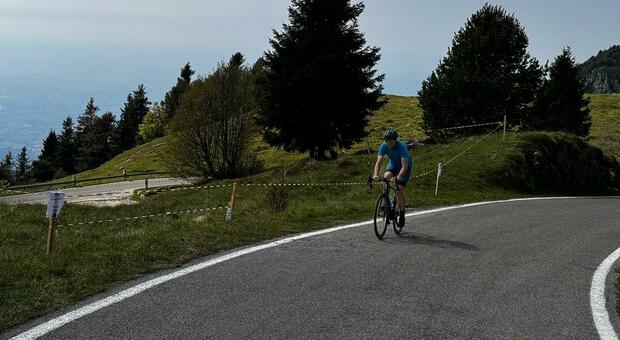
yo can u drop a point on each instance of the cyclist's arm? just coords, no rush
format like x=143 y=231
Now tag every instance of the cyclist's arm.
x=378 y=166
x=403 y=168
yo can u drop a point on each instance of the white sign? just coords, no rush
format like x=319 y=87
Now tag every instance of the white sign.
x=56 y=199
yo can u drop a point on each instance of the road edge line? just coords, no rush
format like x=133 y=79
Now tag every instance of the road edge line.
x=61 y=320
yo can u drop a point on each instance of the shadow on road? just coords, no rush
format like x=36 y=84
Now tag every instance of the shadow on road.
x=428 y=240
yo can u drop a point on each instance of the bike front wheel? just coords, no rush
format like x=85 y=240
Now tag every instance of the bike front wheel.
x=381 y=218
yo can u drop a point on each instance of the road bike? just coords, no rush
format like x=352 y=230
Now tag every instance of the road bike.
x=386 y=209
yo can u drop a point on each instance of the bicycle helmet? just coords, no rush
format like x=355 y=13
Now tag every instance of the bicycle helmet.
x=390 y=134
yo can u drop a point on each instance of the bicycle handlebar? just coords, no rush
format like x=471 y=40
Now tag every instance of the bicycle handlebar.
x=382 y=179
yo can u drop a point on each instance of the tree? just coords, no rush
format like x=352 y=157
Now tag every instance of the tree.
x=67 y=147
x=87 y=119
x=45 y=166
x=50 y=147
x=211 y=130
x=172 y=100
x=6 y=168
x=22 y=170
x=99 y=145
x=154 y=124
x=560 y=105
x=486 y=74
x=132 y=114
x=318 y=86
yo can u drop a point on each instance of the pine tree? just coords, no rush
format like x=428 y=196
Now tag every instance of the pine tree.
x=45 y=166
x=22 y=169
x=67 y=147
x=50 y=147
x=132 y=114
x=87 y=119
x=6 y=168
x=318 y=86
x=486 y=74
x=561 y=105
x=172 y=100
x=84 y=136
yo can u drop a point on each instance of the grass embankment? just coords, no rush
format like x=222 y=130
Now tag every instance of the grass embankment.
x=605 y=131
x=90 y=258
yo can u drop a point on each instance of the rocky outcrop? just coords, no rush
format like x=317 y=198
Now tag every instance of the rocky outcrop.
x=601 y=81
x=601 y=73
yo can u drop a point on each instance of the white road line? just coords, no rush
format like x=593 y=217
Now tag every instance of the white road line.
x=597 y=298
x=59 y=321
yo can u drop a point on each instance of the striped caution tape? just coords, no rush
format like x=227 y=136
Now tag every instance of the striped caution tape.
x=141 y=217
x=465 y=126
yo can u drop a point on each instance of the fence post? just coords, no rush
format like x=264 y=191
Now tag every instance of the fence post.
x=229 y=211
x=504 y=138
x=146 y=185
x=50 y=234
x=439 y=169
x=74 y=181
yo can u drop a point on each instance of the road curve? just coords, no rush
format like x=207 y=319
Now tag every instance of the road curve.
x=507 y=270
x=92 y=191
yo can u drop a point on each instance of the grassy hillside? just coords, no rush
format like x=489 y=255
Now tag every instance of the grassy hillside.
x=605 y=131
x=400 y=112
x=90 y=258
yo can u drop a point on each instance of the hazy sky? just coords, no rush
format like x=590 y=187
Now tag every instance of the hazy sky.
x=118 y=36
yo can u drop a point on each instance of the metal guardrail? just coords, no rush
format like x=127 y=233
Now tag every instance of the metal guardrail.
x=75 y=182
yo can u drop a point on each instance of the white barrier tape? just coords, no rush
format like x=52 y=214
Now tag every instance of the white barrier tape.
x=258 y=185
x=465 y=126
x=471 y=146
x=140 y=217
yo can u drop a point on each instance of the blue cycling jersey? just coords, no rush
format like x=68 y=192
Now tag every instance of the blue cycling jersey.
x=395 y=155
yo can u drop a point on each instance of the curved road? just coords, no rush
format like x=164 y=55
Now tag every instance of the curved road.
x=126 y=187
x=505 y=270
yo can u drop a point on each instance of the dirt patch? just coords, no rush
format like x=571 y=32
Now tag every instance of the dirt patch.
x=108 y=200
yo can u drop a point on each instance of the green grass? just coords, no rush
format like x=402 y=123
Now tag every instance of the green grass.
x=142 y=158
x=605 y=131
x=90 y=258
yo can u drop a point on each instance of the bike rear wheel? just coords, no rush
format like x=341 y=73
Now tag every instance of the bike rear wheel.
x=381 y=217
x=397 y=229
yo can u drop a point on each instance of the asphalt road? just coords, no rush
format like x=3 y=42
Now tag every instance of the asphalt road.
x=519 y=270
x=92 y=191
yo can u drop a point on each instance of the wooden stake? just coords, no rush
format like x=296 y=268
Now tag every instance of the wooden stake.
x=231 y=204
x=50 y=235
x=504 y=138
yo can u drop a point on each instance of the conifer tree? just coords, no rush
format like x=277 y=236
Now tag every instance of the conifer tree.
x=132 y=114
x=318 y=85
x=6 y=168
x=22 y=169
x=486 y=74
x=45 y=166
x=67 y=147
x=172 y=100
x=561 y=105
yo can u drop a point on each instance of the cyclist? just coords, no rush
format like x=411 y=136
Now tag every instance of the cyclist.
x=398 y=168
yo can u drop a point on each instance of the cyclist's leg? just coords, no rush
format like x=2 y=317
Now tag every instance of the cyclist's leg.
x=400 y=192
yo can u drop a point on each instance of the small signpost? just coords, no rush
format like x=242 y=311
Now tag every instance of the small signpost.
x=439 y=170
x=56 y=199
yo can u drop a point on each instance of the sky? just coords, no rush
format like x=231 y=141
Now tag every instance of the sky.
x=119 y=36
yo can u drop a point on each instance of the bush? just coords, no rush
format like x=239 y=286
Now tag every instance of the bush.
x=212 y=130
x=277 y=198
x=561 y=163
